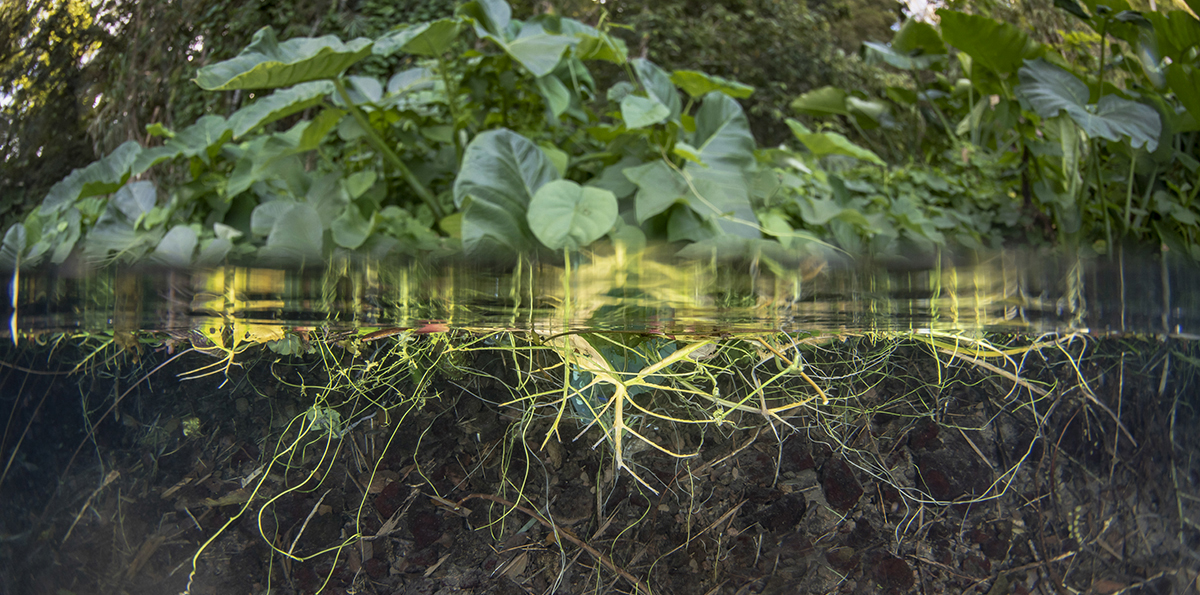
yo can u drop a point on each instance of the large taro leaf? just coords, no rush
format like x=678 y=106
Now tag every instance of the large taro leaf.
x=296 y=237
x=563 y=214
x=726 y=149
x=116 y=230
x=176 y=248
x=831 y=143
x=267 y=63
x=500 y=172
x=277 y=105
x=698 y=84
x=1051 y=90
x=826 y=101
x=100 y=177
x=658 y=85
x=999 y=46
x=423 y=39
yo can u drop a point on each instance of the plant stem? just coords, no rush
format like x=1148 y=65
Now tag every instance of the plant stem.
x=451 y=100
x=1129 y=190
x=388 y=154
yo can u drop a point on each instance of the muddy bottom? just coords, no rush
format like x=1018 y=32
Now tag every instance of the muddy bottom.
x=924 y=473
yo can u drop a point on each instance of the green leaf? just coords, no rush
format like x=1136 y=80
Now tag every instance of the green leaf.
x=489 y=16
x=999 y=46
x=351 y=229
x=777 y=225
x=697 y=84
x=358 y=183
x=658 y=85
x=687 y=152
x=612 y=178
x=1073 y=7
x=277 y=105
x=266 y=63
x=831 y=143
x=918 y=38
x=1051 y=90
x=296 y=236
x=639 y=112
x=115 y=230
x=157 y=129
x=500 y=173
x=595 y=44
x=100 y=177
x=362 y=89
x=564 y=214
x=556 y=94
x=826 y=101
x=1176 y=33
x=13 y=247
x=423 y=39
x=1185 y=83
x=204 y=138
x=539 y=52
x=659 y=187
x=557 y=156
x=720 y=186
x=413 y=79
x=879 y=52
x=176 y=248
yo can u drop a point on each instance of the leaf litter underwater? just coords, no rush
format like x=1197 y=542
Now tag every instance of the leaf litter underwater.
x=457 y=462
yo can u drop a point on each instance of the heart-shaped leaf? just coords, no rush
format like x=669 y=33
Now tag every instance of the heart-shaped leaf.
x=720 y=186
x=1052 y=90
x=564 y=214
x=423 y=39
x=266 y=63
x=500 y=173
x=697 y=84
x=999 y=46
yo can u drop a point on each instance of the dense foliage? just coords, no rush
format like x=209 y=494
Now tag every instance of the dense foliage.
x=1096 y=137
x=484 y=133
